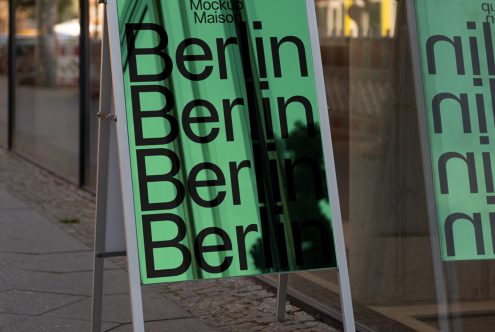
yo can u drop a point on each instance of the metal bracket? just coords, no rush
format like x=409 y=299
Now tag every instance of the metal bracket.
x=107 y=116
x=111 y=254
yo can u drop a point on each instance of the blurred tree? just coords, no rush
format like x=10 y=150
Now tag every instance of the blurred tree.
x=47 y=18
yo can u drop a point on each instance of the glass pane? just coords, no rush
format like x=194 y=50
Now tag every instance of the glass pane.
x=47 y=84
x=95 y=36
x=4 y=30
x=370 y=86
x=388 y=235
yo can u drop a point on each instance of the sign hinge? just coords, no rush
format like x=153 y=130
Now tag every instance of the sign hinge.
x=107 y=116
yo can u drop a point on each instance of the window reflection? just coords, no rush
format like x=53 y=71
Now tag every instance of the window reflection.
x=370 y=87
x=47 y=79
x=356 y=18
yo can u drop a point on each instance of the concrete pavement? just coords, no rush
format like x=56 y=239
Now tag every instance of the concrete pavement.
x=46 y=281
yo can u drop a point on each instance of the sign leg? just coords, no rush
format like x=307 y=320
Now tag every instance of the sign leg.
x=281 y=296
x=97 y=305
x=346 y=300
x=100 y=223
x=101 y=187
x=111 y=35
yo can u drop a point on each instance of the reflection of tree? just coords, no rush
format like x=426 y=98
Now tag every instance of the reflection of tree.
x=65 y=10
x=313 y=245
x=41 y=15
x=46 y=39
x=4 y=18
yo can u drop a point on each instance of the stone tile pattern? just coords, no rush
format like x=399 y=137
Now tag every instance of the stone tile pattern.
x=235 y=304
x=238 y=304
x=46 y=280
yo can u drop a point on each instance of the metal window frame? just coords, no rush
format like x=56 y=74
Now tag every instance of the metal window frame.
x=10 y=74
x=84 y=96
x=83 y=84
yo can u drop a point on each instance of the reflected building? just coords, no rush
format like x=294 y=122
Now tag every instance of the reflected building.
x=356 y=18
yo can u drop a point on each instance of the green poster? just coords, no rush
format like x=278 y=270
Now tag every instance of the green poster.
x=456 y=48
x=226 y=153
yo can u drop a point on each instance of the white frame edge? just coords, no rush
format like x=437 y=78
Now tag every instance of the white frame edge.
x=125 y=167
x=338 y=231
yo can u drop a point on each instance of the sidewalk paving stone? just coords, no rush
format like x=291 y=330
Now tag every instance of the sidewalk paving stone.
x=7 y=201
x=49 y=324
x=116 y=309
x=5 y=281
x=7 y=320
x=175 y=325
x=25 y=231
x=33 y=303
x=58 y=262
x=76 y=283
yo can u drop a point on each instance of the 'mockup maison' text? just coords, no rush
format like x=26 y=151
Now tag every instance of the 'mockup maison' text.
x=216 y=11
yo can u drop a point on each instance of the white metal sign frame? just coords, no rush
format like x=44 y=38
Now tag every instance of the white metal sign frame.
x=115 y=109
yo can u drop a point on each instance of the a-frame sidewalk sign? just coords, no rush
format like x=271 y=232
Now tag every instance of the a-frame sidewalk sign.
x=215 y=156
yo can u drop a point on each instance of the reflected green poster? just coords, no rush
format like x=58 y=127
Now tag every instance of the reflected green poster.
x=226 y=152
x=456 y=45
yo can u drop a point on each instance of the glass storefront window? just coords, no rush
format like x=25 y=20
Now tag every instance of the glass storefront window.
x=370 y=88
x=4 y=31
x=373 y=110
x=47 y=84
